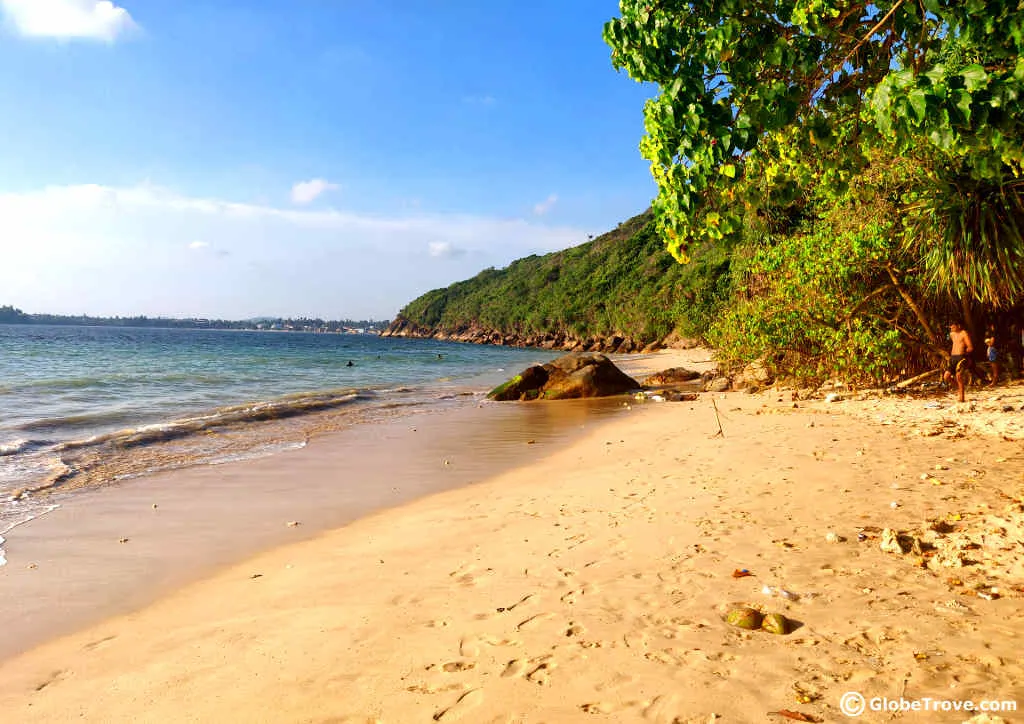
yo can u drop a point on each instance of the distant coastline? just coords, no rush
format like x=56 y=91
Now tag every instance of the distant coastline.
x=12 y=315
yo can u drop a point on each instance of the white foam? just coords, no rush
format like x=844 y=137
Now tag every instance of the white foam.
x=30 y=515
x=25 y=518
x=13 y=447
x=156 y=427
x=257 y=453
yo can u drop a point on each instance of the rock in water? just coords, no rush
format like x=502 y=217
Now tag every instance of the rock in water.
x=531 y=379
x=570 y=376
x=744 y=617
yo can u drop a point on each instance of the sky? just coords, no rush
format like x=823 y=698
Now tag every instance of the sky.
x=320 y=158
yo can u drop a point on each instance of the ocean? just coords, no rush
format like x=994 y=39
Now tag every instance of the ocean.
x=88 y=406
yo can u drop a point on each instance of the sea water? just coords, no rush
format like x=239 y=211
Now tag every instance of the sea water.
x=83 y=406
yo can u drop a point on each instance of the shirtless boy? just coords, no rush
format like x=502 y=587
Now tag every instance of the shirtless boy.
x=960 y=362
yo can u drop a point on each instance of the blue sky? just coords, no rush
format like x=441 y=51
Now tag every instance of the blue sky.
x=313 y=157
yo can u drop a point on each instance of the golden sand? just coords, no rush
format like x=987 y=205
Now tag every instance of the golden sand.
x=589 y=585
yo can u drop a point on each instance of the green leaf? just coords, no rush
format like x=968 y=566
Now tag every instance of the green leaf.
x=881 y=98
x=974 y=77
x=937 y=74
x=942 y=137
x=918 y=103
x=728 y=170
x=902 y=78
x=963 y=104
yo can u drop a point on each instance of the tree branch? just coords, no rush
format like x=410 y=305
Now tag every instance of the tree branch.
x=857 y=47
x=914 y=307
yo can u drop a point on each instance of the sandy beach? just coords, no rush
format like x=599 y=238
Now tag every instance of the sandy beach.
x=588 y=582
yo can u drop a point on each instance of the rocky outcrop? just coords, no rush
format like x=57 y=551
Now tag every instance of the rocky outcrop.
x=753 y=377
x=476 y=334
x=714 y=383
x=677 y=341
x=568 y=377
x=671 y=376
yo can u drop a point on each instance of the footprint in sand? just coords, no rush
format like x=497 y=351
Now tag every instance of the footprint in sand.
x=472 y=646
x=428 y=689
x=572 y=596
x=670 y=657
x=540 y=674
x=455 y=666
x=533 y=621
x=525 y=600
x=574 y=629
x=536 y=670
x=606 y=707
x=467 y=575
x=616 y=682
x=56 y=676
x=636 y=640
x=468 y=701
x=98 y=644
x=666 y=708
x=576 y=541
x=515 y=667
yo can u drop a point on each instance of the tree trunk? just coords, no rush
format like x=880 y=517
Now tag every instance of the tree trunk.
x=922 y=319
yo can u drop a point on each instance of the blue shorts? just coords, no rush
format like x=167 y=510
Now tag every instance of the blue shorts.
x=993 y=354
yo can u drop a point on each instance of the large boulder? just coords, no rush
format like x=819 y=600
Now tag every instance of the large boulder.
x=717 y=384
x=754 y=375
x=532 y=378
x=571 y=376
x=671 y=376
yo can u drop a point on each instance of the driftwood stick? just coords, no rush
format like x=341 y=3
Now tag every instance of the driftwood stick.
x=918 y=378
x=721 y=432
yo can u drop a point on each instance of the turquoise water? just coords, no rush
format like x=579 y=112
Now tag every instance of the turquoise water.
x=68 y=392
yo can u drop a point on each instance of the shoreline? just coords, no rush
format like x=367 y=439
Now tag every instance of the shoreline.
x=111 y=549
x=589 y=582
x=67 y=568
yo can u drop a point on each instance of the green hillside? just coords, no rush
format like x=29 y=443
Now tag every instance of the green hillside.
x=622 y=284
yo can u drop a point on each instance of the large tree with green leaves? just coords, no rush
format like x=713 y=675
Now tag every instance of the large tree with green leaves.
x=761 y=100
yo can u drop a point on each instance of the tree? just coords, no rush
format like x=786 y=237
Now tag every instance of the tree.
x=12 y=315
x=761 y=99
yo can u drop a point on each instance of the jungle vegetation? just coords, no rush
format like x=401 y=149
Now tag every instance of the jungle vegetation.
x=839 y=180
x=622 y=283
x=862 y=160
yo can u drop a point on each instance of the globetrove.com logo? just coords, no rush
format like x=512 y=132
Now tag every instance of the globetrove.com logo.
x=853 y=704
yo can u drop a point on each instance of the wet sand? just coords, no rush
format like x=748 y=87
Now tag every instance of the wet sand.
x=69 y=568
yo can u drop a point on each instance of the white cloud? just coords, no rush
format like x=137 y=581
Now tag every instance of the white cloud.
x=444 y=249
x=546 y=205
x=86 y=19
x=63 y=246
x=305 y=192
